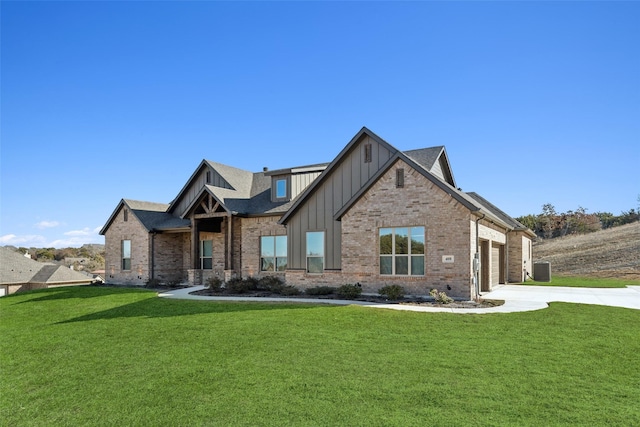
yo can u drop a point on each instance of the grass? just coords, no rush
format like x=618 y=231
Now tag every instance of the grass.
x=584 y=282
x=113 y=357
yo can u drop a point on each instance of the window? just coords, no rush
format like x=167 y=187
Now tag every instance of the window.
x=399 y=178
x=126 y=254
x=208 y=177
x=281 y=188
x=273 y=253
x=125 y=214
x=402 y=251
x=315 y=251
x=206 y=254
x=367 y=153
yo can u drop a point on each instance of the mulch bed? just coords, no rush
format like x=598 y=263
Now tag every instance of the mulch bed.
x=423 y=301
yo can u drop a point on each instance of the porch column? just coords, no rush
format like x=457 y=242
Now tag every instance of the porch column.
x=229 y=252
x=195 y=261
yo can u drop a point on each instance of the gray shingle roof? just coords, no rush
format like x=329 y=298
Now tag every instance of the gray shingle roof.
x=252 y=191
x=16 y=269
x=159 y=220
x=240 y=179
x=425 y=157
x=493 y=209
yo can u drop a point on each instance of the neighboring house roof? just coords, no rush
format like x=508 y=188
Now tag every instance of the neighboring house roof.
x=16 y=269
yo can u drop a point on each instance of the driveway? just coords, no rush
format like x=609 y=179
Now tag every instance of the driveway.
x=628 y=297
x=516 y=298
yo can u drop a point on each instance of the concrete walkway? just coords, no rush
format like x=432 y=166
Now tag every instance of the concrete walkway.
x=516 y=298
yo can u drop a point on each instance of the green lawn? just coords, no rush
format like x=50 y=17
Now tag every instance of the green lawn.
x=584 y=282
x=123 y=357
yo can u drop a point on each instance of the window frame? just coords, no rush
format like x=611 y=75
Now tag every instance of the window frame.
x=403 y=261
x=125 y=246
x=204 y=258
x=277 y=194
x=314 y=256
x=271 y=242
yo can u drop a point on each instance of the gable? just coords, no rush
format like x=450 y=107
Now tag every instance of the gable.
x=434 y=160
x=228 y=179
x=361 y=159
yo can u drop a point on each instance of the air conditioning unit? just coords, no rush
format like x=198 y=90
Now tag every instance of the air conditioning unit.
x=542 y=271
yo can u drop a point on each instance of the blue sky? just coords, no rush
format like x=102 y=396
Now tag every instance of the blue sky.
x=536 y=102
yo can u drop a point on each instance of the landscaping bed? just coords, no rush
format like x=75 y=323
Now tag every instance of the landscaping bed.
x=272 y=287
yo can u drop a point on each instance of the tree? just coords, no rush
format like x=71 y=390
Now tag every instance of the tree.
x=548 y=219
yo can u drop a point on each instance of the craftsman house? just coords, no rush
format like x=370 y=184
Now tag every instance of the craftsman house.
x=374 y=215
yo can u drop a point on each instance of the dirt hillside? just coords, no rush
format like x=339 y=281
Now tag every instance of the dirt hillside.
x=614 y=252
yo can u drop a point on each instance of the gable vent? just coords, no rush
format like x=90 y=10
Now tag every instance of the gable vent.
x=399 y=178
x=367 y=153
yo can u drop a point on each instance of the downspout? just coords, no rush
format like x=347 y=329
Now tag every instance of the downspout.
x=153 y=255
x=506 y=260
x=476 y=259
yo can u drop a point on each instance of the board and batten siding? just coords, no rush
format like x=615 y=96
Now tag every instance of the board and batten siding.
x=436 y=170
x=336 y=189
x=199 y=181
x=299 y=182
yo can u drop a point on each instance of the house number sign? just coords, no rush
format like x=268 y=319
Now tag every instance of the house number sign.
x=447 y=259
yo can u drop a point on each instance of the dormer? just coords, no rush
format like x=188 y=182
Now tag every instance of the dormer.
x=286 y=184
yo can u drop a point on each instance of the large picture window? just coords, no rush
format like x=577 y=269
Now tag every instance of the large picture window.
x=206 y=254
x=402 y=251
x=126 y=254
x=315 y=251
x=273 y=253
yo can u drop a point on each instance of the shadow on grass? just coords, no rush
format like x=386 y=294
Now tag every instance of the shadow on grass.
x=156 y=307
x=75 y=292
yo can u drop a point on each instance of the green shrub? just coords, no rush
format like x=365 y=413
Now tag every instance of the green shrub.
x=271 y=283
x=349 y=291
x=214 y=284
x=238 y=285
x=392 y=292
x=440 y=297
x=174 y=281
x=289 y=290
x=320 y=290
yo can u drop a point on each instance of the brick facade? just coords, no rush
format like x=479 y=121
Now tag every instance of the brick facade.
x=407 y=194
x=418 y=203
x=132 y=230
x=249 y=243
